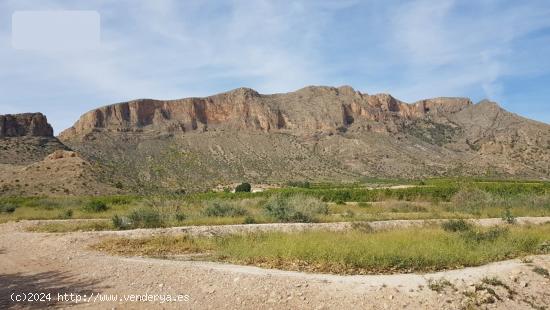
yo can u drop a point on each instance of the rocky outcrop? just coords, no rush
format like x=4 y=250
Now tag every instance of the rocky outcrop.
x=315 y=133
x=61 y=154
x=313 y=108
x=27 y=124
x=26 y=138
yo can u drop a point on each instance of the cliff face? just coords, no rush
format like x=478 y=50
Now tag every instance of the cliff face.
x=315 y=133
x=27 y=124
x=26 y=138
x=308 y=109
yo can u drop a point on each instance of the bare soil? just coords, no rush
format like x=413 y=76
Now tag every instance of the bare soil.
x=62 y=263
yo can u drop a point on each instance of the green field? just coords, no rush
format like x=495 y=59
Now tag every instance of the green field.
x=297 y=202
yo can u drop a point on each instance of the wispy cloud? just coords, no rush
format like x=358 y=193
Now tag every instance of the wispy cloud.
x=172 y=49
x=450 y=48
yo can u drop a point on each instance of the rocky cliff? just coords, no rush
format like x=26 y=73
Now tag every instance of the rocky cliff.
x=315 y=133
x=308 y=109
x=27 y=124
x=26 y=138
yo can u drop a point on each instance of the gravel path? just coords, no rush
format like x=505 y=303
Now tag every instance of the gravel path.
x=287 y=227
x=61 y=263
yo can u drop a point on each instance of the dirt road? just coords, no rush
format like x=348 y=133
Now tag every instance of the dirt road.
x=61 y=263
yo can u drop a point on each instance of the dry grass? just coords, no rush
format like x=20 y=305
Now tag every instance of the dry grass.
x=61 y=227
x=350 y=252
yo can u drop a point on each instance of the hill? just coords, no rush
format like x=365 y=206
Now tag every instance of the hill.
x=26 y=138
x=316 y=133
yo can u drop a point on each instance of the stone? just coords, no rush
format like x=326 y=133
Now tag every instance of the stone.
x=26 y=124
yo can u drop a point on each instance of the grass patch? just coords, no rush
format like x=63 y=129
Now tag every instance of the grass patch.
x=297 y=208
x=350 y=252
x=220 y=208
x=158 y=246
x=456 y=225
x=439 y=285
x=95 y=206
x=320 y=202
x=61 y=227
x=543 y=272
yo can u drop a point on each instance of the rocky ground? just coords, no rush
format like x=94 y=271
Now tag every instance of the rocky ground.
x=62 y=263
x=60 y=173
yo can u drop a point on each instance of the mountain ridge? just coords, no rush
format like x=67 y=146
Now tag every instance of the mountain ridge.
x=196 y=112
x=318 y=133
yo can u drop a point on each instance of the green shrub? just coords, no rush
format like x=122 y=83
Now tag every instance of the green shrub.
x=120 y=223
x=491 y=234
x=180 y=217
x=297 y=208
x=145 y=218
x=117 y=200
x=471 y=199
x=508 y=217
x=541 y=271
x=67 y=214
x=456 y=225
x=8 y=207
x=249 y=220
x=95 y=206
x=220 y=208
x=243 y=188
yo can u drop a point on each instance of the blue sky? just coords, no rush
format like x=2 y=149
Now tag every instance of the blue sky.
x=173 y=49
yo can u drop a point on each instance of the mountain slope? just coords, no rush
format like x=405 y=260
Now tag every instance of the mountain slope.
x=60 y=173
x=316 y=133
x=26 y=138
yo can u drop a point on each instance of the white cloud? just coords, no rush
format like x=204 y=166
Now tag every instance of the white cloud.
x=445 y=51
x=172 y=49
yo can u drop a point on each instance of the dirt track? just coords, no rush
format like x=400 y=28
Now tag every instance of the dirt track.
x=61 y=263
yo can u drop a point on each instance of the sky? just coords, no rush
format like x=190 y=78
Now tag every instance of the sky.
x=168 y=49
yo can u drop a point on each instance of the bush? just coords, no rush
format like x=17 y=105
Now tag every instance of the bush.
x=508 y=217
x=117 y=200
x=471 y=199
x=95 y=206
x=243 y=187
x=485 y=235
x=145 y=218
x=221 y=208
x=297 y=208
x=180 y=217
x=456 y=225
x=120 y=222
x=8 y=207
x=249 y=220
x=67 y=214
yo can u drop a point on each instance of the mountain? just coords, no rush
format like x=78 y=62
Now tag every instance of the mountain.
x=26 y=138
x=316 y=133
x=34 y=162
x=60 y=173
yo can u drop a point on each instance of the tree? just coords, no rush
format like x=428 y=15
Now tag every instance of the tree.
x=243 y=187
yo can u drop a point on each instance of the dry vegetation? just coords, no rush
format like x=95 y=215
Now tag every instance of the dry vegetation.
x=351 y=252
x=316 y=203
